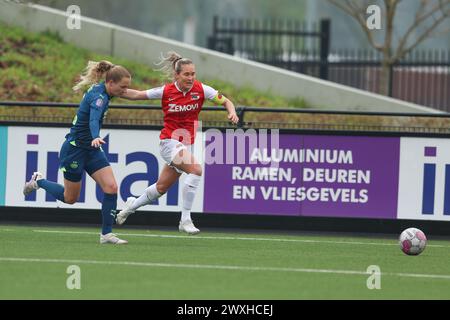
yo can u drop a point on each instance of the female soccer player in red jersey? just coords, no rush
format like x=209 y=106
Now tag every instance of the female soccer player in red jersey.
x=182 y=101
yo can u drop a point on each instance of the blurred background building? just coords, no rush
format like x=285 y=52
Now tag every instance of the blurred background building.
x=191 y=20
x=339 y=50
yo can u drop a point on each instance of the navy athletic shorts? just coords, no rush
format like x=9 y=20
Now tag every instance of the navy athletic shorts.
x=74 y=160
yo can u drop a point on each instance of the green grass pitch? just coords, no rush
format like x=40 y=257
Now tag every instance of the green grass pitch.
x=167 y=265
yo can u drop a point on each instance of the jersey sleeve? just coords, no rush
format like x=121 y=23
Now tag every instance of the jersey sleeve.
x=155 y=93
x=95 y=113
x=210 y=92
x=213 y=95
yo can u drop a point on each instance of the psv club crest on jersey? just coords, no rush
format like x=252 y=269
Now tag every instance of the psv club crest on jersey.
x=99 y=102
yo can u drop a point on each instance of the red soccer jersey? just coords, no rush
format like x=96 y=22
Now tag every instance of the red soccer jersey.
x=181 y=112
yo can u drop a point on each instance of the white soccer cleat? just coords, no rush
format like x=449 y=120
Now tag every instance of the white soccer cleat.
x=126 y=211
x=32 y=185
x=188 y=227
x=111 y=238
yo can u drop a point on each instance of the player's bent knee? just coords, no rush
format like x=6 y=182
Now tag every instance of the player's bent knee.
x=197 y=170
x=194 y=169
x=70 y=199
x=110 y=188
x=161 y=187
x=114 y=189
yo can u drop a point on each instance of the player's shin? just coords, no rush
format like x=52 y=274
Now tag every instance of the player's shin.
x=109 y=205
x=189 y=189
x=150 y=194
x=53 y=188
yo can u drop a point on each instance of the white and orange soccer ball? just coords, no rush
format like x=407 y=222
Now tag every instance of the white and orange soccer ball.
x=412 y=241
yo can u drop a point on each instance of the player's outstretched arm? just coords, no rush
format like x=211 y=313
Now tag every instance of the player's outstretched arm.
x=131 y=94
x=232 y=116
x=224 y=101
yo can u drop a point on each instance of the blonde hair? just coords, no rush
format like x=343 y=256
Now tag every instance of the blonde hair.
x=97 y=71
x=172 y=64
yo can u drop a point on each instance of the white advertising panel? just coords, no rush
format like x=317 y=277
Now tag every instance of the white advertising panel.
x=424 y=183
x=133 y=154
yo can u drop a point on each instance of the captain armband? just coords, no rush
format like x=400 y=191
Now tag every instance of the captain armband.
x=219 y=99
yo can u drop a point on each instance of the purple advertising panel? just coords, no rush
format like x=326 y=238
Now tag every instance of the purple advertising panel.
x=302 y=175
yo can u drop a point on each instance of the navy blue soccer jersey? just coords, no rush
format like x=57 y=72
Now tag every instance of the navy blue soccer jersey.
x=89 y=118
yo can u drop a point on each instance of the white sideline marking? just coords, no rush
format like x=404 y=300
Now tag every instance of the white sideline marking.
x=218 y=267
x=233 y=238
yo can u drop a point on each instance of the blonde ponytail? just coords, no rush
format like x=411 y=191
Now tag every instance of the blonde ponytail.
x=93 y=73
x=172 y=63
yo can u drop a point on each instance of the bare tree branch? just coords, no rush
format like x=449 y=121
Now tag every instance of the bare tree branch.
x=427 y=9
x=425 y=34
x=359 y=14
x=441 y=32
x=391 y=8
x=421 y=16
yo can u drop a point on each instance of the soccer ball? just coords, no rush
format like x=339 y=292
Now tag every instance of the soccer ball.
x=412 y=241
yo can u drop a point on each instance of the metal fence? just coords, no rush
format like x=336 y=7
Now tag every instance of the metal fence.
x=61 y=114
x=422 y=77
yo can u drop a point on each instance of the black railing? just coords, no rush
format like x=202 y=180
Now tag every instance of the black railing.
x=249 y=117
x=268 y=41
x=422 y=77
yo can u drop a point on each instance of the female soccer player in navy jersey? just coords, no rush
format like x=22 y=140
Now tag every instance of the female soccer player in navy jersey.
x=82 y=151
x=181 y=101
